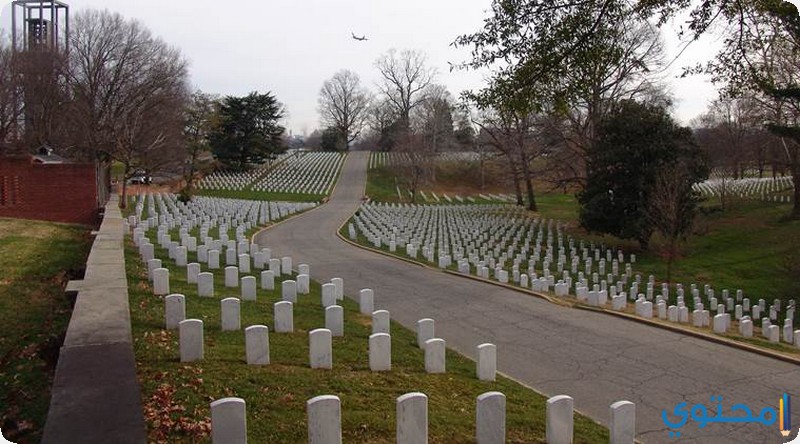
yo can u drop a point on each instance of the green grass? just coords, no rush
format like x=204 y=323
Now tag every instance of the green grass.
x=558 y=206
x=177 y=395
x=261 y=195
x=381 y=185
x=745 y=247
x=36 y=259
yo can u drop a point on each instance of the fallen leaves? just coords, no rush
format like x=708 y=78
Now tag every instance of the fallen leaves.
x=166 y=416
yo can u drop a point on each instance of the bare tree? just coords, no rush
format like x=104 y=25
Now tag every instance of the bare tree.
x=519 y=137
x=128 y=92
x=414 y=163
x=344 y=104
x=10 y=109
x=199 y=117
x=434 y=117
x=672 y=209
x=405 y=77
x=627 y=58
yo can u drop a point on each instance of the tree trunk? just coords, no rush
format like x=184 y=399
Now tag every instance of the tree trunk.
x=529 y=186
x=796 y=177
x=515 y=176
x=483 y=177
x=123 y=200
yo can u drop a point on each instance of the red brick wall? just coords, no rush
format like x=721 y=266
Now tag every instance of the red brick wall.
x=56 y=192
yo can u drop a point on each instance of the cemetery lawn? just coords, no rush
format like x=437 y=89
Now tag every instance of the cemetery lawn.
x=176 y=396
x=749 y=246
x=262 y=195
x=382 y=187
x=37 y=260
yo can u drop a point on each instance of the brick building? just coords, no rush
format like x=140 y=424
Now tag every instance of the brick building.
x=49 y=188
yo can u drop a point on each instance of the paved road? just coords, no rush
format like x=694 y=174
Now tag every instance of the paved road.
x=595 y=358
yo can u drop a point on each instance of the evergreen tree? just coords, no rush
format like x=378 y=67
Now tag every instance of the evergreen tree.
x=636 y=142
x=247 y=131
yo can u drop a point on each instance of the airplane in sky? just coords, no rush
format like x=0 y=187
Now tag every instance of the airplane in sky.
x=363 y=38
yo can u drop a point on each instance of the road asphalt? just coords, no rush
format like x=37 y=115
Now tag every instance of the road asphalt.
x=595 y=358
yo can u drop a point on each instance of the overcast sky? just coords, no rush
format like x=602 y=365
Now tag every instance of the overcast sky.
x=290 y=47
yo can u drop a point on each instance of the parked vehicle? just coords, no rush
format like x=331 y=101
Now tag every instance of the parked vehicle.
x=140 y=178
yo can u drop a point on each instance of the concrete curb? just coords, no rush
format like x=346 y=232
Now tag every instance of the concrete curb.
x=96 y=396
x=569 y=304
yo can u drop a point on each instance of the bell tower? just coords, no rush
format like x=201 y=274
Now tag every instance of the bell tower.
x=39 y=43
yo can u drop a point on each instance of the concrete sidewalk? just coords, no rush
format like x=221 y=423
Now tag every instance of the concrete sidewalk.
x=96 y=395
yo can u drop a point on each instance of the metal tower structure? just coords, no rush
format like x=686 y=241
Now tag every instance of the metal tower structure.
x=45 y=25
x=39 y=44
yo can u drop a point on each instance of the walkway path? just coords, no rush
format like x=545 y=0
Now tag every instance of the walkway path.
x=595 y=358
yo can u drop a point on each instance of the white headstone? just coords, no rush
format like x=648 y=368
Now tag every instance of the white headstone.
x=303 y=284
x=257 y=344
x=174 y=310
x=152 y=265
x=412 y=418
x=720 y=323
x=328 y=295
x=487 y=362
x=286 y=265
x=231 y=277
x=192 y=270
x=324 y=420
x=248 y=288
x=559 y=423
x=490 y=418
x=231 y=314
x=746 y=326
x=160 y=281
x=205 y=284
x=284 y=317
x=380 y=321
x=380 y=352
x=275 y=267
x=425 y=331
x=213 y=259
x=228 y=421
x=622 y=424
x=259 y=260
x=230 y=256
x=339 y=283
x=334 y=320
x=267 y=280
x=244 y=263
x=320 y=353
x=289 y=291
x=190 y=332
x=774 y=333
x=304 y=269
x=181 y=256
x=366 y=301
x=435 y=356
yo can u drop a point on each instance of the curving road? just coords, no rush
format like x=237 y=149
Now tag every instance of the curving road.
x=595 y=358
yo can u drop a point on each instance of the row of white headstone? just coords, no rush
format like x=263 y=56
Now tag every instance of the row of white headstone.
x=238 y=180
x=381 y=222
x=324 y=420
x=748 y=187
x=191 y=342
x=305 y=173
